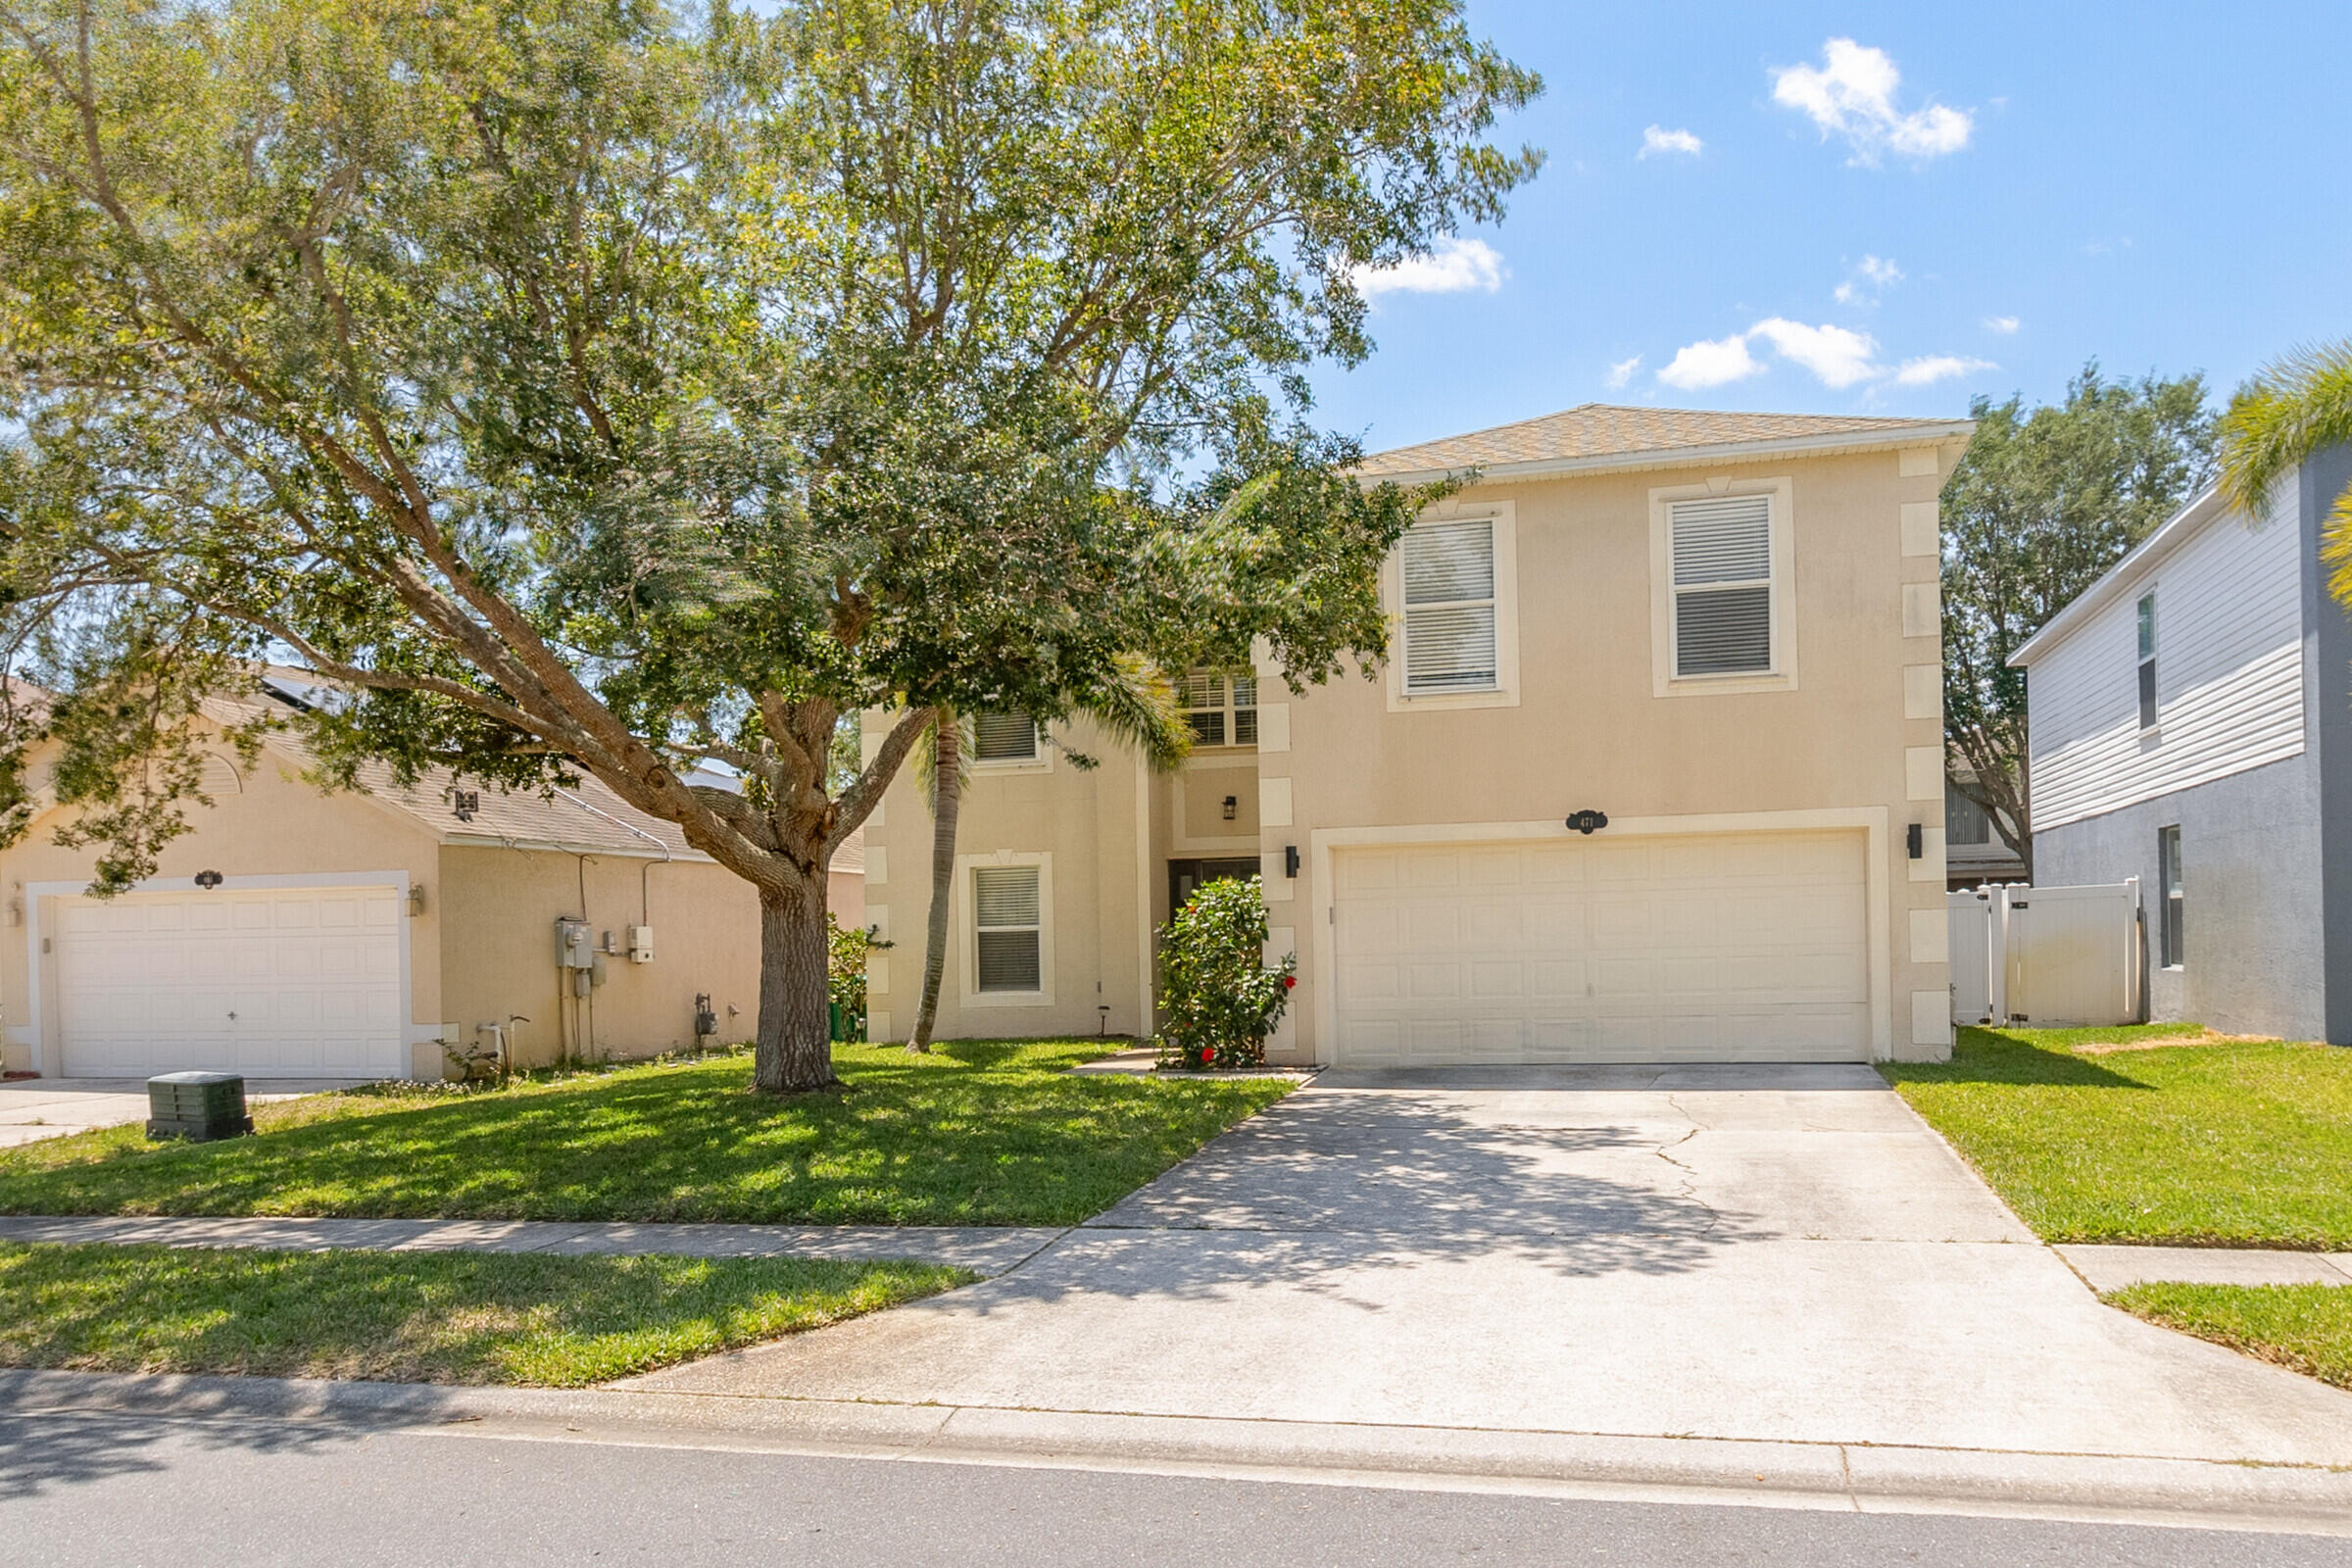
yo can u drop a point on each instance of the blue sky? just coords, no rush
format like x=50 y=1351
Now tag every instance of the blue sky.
x=2165 y=187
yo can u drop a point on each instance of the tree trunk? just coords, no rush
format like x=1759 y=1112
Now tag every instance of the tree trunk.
x=794 y=1048
x=947 y=800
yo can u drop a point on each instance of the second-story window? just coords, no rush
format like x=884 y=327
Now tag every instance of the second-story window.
x=1450 y=606
x=1722 y=559
x=1004 y=738
x=2147 y=661
x=1221 y=707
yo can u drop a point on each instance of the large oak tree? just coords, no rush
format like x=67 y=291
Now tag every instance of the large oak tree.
x=589 y=387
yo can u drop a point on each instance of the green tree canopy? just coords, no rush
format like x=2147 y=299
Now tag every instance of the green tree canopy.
x=2041 y=506
x=601 y=389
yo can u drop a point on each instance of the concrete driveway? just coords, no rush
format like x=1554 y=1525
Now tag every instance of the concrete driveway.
x=33 y=1108
x=1776 y=1254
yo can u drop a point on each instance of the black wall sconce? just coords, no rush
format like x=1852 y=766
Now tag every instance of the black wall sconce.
x=1290 y=859
x=1232 y=804
x=1917 y=839
x=1588 y=823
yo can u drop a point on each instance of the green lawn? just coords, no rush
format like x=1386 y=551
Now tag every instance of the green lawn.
x=417 y=1317
x=2305 y=1327
x=978 y=1133
x=2239 y=1143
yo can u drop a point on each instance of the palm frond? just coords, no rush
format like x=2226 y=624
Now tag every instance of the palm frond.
x=2296 y=406
x=1141 y=709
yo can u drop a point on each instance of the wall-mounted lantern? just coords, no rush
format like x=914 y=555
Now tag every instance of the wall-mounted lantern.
x=1232 y=806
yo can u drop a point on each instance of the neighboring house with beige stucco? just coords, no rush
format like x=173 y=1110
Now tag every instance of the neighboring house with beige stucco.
x=1719 y=630
x=294 y=932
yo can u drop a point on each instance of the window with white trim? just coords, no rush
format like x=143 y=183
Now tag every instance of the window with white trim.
x=2147 y=661
x=1220 y=706
x=1721 y=550
x=1449 y=606
x=2172 y=935
x=1008 y=934
x=1004 y=738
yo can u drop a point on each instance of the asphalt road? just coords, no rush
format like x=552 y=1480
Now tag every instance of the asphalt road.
x=126 y=1490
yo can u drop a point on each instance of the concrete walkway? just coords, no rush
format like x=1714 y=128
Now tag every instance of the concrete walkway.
x=34 y=1108
x=2111 y=1268
x=986 y=1251
x=1743 y=1255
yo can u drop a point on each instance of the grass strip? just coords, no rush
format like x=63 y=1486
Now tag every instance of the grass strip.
x=2306 y=1328
x=417 y=1317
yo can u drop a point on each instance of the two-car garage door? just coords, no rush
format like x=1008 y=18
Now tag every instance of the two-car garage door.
x=1747 y=946
x=280 y=983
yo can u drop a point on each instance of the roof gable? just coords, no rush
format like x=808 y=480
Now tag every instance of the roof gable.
x=1597 y=432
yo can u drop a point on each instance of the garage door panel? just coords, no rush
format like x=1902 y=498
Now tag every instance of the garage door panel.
x=1717 y=947
x=266 y=982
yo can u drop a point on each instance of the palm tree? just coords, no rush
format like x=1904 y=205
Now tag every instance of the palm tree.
x=1139 y=709
x=2296 y=408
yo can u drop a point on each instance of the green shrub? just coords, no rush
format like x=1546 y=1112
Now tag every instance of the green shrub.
x=845 y=977
x=1218 y=998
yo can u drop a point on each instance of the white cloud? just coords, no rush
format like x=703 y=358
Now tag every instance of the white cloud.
x=1659 y=141
x=1876 y=274
x=1623 y=370
x=1456 y=266
x=1839 y=356
x=1711 y=364
x=1851 y=94
x=2003 y=324
x=1934 y=367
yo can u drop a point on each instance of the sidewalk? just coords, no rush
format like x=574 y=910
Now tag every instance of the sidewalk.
x=984 y=1250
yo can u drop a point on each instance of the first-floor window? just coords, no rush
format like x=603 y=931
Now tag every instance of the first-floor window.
x=1005 y=908
x=2168 y=872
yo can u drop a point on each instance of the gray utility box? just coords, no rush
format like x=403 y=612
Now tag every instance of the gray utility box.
x=199 y=1107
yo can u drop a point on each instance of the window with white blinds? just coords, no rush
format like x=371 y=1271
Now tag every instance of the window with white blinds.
x=1722 y=552
x=1005 y=921
x=1449 y=603
x=1222 y=709
x=1004 y=738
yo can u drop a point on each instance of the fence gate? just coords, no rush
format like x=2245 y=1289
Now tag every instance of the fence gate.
x=2046 y=956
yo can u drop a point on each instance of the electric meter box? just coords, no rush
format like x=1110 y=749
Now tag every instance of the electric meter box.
x=575 y=949
x=641 y=944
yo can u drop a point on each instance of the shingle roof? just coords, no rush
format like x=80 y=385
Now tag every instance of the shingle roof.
x=1604 y=429
x=586 y=818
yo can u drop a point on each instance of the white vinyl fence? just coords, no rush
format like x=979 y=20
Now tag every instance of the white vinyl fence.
x=2046 y=956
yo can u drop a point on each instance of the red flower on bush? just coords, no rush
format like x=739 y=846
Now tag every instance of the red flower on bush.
x=1208 y=1053
x=1290 y=982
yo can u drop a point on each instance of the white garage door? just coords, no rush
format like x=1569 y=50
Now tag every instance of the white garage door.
x=276 y=983
x=1690 y=948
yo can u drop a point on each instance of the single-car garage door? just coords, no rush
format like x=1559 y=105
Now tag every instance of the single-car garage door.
x=1746 y=947
x=278 y=983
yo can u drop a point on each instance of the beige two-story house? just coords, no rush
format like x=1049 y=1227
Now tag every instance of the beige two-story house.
x=1653 y=772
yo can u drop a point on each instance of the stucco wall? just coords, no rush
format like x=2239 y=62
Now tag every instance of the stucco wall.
x=499 y=908
x=265 y=822
x=1087 y=822
x=2252 y=888
x=1588 y=731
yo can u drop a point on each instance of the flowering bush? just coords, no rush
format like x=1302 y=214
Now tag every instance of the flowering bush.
x=1218 y=999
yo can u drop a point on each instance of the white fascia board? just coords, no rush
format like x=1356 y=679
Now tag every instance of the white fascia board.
x=1811 y=446
x=2118 y=579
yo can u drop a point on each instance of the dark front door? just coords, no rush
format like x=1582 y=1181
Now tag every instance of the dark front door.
x=1185 y=877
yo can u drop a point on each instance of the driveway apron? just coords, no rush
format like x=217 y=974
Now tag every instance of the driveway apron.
x=1775 y=1253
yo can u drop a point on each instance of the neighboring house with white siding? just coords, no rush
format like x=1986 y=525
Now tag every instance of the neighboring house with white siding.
x=1720 y=631
x=2190 y=724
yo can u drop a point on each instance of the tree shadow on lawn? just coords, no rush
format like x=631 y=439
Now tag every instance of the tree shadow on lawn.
x=955 y=1139
x=2001 y=1056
